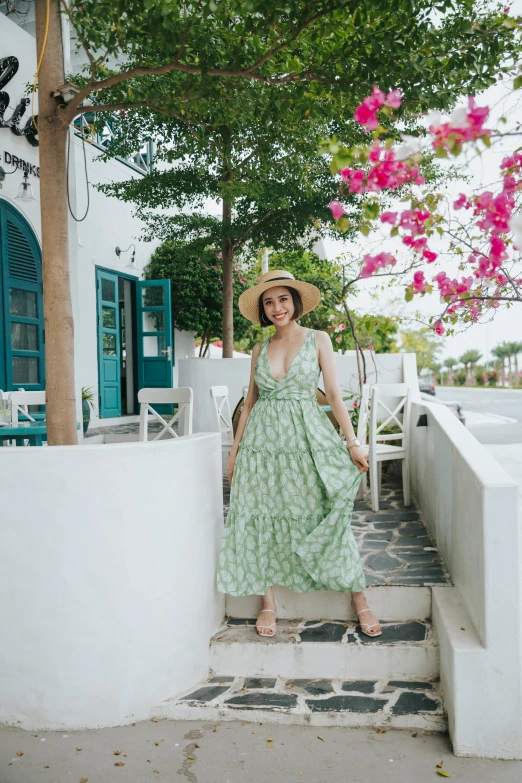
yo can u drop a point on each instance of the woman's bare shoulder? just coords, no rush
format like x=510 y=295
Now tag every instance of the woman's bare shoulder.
x=323 y=340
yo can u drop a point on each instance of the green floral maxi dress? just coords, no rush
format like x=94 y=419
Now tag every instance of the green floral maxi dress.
x=293 y=489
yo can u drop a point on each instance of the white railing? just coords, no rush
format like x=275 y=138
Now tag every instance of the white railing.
x=470 y=505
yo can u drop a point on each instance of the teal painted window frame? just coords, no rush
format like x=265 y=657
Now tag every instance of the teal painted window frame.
x=7 y=353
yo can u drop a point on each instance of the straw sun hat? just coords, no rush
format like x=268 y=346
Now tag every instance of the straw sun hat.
x=249 y=299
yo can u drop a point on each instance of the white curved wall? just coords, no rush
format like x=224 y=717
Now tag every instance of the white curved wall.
x=107 y=578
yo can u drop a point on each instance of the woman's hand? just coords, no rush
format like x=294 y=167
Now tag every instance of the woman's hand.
x=359 y=458
x=230 y=467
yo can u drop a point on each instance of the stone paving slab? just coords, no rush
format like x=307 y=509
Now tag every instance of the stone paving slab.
x=395 y=545
x=374 y=702
x=302 y=631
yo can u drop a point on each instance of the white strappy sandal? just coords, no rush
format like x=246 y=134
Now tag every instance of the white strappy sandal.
x=365 y=625
x=272 y=627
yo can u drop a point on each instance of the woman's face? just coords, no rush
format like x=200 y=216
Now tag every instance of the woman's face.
x=279 y=305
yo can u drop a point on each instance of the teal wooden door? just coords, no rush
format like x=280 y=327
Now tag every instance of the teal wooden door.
x=109 y=347
x=22 y=347
x=154 y=317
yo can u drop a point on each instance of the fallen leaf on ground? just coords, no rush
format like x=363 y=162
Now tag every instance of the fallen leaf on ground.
x=414 y=733
x=156 y=771
x=439 y=765
x=462 y=628
x=196 y=745
x=155 y=720
x=253 y=732
x=300 y=772
x=381 y=731
x=443 y=773
x=117 y=753
x=34 y=735
x=78 y=749
x=47 y=766
x=214 y=729
x=290 y=685
x=120 y=764
x=19 y=753
x=192 y=758
x=319 y=737
x=245 y=723
x=84 y=780
x=156 y=743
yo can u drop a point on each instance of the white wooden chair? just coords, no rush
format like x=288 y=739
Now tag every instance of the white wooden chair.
x=181 y=397
x=390 y=404
x=5 y=416
x=223 y=420
x=19 y=402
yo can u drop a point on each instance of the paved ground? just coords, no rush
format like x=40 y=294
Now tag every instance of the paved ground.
x=199 y=752
x=482 y=402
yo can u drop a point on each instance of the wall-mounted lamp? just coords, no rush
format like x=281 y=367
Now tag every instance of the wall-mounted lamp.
x=25 y=191
x=132 y=262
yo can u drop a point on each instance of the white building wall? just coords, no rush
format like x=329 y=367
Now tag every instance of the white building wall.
x=107 y=578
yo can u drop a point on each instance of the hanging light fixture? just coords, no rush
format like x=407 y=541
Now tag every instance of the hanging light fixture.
x=132 y=262
x=25 y=191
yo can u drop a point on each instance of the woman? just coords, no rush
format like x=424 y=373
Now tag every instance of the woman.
x=294 y=480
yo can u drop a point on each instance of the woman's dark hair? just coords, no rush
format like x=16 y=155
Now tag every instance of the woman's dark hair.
x=298 y=307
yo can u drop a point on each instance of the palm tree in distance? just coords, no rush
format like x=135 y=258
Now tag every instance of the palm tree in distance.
x=469 y=359
x=450 y=364
x=515 y=349
x=501 y=353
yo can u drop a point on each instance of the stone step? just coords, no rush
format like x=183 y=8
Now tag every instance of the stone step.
x=332 y=649
x=386 y=703
x=389 y=602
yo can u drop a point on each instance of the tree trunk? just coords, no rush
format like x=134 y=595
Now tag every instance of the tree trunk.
x=228 y=287
x=227 y=249
x=58 y=318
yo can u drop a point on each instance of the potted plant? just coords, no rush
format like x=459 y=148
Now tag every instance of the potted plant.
x=87 y=405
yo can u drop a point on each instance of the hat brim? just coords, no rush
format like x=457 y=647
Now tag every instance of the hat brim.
x=249 y=300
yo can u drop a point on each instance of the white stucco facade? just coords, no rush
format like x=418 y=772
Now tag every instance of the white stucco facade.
x=107 y=574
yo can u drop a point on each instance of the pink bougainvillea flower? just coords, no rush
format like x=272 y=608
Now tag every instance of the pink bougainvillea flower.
x=439 y=328
x=337 y=209
x=389 y=217
x=366 y=116
x=372 y=263
x=338 y=339
x=429 y=255
x=462 y=201
x=355 y=405
x=419 y=283
x=376 y=99
x=394 y=99
x=342 y=327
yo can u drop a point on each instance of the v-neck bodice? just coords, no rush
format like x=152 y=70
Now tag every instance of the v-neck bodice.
x=300 y=381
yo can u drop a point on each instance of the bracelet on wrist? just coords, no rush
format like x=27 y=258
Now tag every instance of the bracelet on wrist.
x=352 y=442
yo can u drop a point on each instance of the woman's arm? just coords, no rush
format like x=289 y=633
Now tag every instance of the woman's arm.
x=335 y=400
x=251 y=399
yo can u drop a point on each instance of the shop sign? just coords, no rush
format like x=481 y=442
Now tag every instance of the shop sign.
x=8 y=69
x=20 y=163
